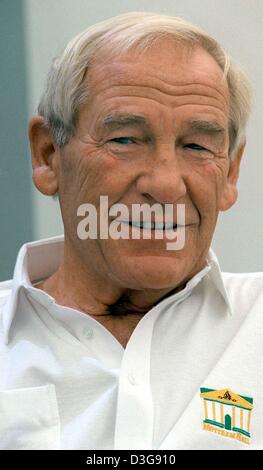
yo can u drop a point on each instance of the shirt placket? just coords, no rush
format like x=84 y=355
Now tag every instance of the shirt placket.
x=135 y=407
x=135 y=413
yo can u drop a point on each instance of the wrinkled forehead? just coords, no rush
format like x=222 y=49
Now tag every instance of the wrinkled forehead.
x=165 y=64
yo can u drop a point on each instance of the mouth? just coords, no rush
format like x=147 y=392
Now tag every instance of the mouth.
x=161 y=226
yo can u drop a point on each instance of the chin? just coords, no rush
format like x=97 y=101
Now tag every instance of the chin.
x=152 y=273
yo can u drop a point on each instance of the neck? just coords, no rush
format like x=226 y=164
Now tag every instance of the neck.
x=77 y=286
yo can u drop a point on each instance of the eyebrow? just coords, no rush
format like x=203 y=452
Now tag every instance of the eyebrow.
x=207 y=127
x=115 y=121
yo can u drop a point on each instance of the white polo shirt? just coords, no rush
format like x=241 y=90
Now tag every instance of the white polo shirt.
x=190 y=377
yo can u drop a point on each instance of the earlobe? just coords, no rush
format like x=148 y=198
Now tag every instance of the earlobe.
x=230 y=192
x=228 y=197
x=44 y=157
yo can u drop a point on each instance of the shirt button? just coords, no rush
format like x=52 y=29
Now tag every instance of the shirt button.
x=87 y=332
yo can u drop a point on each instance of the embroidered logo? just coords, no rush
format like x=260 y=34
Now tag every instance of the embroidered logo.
x=227 y=413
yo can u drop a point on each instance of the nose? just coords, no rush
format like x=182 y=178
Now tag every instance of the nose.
x=163 y=179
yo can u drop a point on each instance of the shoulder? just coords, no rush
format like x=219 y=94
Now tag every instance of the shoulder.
x=254 y=279
x=244 y=289
x=5 y=291
x=5 y=287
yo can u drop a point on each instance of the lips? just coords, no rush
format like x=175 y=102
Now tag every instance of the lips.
x=151 y=225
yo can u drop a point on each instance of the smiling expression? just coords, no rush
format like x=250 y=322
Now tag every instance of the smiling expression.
x=153 y=130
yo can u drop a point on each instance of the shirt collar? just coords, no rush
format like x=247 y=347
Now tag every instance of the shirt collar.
x=39 y=259
x=215 y=275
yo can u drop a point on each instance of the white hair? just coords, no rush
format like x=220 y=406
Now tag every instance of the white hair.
x=66 y=89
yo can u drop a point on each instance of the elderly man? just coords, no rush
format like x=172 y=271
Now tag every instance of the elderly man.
x=121 y=343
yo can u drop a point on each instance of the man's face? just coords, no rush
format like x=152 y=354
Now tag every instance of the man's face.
x=154 y=130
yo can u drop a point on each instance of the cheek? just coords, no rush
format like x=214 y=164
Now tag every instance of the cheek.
x=205 y=187
x=90 y=172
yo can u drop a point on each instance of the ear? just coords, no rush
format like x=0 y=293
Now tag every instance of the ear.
x=230 y=193
x=44 y=155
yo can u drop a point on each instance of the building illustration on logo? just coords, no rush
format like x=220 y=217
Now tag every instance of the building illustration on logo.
x=227 y=413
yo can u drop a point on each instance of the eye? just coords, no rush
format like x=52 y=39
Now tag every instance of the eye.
x=195 y=147
x=123 y=140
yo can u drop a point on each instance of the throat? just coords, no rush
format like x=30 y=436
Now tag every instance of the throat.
x=124 y=307
x=120 y=325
